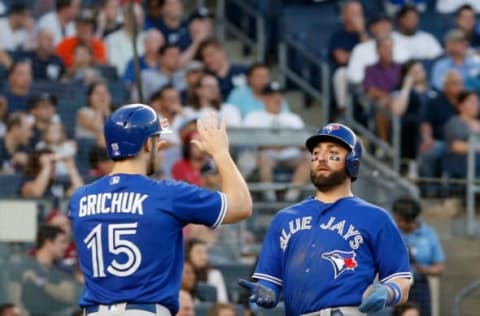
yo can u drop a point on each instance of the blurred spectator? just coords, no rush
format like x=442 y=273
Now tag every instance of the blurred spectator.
x=3 y=117
x=407 y=309
x=188 y=168
x=189 y=280
x=9 y=309
x=222 y=309
x=168 y=73
x=270 y=157
x=196 y=253
x=365 y=54
x=466 y=22
x=5 y=60
x=421 y=45
x=18 y=87
x=432 y=132
x=90 y=118
x=109 y=18
x=457 y=132
x=119 y=43
x=408 y=102
x=186 y=307
x=210 y=176
x=456 y=48
x=193 y=72
x=393 y=6
x=37 y=284
x=212 y=54
x=41 y=180
x=199 y=28
x=342 y=43
x=166 y=16
x=55 y=138
x=16 y=27
x=46 y=65
x=60 y=21
x=249 y=98
x=83 y=68
x=450 y=6
x=426 y=253
x=99 y=161
x=207 y=98
x=380 y=81
x=15 y=145
x=152 y=41
x=84 y=28
x=42 y=108
x=59 y=219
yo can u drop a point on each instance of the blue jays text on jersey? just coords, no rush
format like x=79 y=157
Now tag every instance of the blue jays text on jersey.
x=326 y=255
x=128 y=230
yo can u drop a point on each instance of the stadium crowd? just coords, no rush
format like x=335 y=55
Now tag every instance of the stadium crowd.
x=65 y=65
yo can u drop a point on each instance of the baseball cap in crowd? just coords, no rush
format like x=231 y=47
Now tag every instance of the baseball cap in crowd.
x=200 y=13
x=194 y=66
x=44 y=96
x=272 y=87
x=455 y=35
x=85 y=15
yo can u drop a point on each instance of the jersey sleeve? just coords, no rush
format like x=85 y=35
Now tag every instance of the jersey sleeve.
x=269 y=262
x=199 y=206
x=391 y=254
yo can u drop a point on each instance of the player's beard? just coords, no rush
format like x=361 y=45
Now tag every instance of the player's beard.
x=325 y=183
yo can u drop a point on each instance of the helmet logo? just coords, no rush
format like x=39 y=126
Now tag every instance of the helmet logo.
x=115 y=149
x=331 y=127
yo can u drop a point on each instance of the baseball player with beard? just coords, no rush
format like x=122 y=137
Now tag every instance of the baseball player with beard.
x=324 y=253
x=128 y=227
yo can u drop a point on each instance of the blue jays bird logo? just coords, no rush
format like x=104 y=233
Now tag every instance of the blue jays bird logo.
x=331 y=127
x=341 y=260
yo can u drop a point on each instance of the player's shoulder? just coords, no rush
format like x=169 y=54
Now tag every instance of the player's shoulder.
x=296 y=209
x=367 y=209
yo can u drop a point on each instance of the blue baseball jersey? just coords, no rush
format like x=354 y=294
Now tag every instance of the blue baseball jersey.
x=326 y=255
x=128 y=230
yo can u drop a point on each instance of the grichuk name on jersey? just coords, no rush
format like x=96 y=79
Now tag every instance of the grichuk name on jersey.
x=123 y=202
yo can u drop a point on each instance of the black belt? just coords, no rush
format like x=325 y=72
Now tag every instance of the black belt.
x=141 y=307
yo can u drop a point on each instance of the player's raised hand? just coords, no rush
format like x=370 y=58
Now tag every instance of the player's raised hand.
x=260 y=294
x=213 y=136
x=375 y=298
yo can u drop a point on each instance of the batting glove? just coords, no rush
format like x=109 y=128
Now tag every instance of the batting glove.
x=260 y=294
x=376 y=300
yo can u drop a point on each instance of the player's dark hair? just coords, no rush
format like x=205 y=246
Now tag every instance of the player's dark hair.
x=33 y=167
x=465 y=7
x=217 y=307
x=407 y=208
x=465 y=95
x=254 y=67
x=47 y=233
x=200 y=272
x=404 y=10
x=5 y=307
x=399 y=310
x=60 y=4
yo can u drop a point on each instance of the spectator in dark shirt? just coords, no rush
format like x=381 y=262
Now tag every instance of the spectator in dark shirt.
x=380 y=81
x=466 y=22
x=18 y=88
x=45 y=64
x=212 y=54
x=16 y=144
x=437 y=113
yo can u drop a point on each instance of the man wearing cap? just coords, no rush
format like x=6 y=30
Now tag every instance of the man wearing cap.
x=456 y=59
x=273 y=117
x=16 y=27
x=84 y=26
x=364 y=54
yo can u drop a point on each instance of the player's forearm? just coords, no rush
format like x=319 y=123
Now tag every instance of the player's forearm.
x=404 y=285
x=239 y=201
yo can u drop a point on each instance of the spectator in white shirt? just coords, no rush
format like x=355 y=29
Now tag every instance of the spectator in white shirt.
x=450 y=6
x=119 y=43
x=365 y=54
x=60 y=21
x=16 y=28
x=420 y=44
x=269 y=157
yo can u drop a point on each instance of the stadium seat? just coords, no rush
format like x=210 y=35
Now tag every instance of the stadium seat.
x=108 y=72
x=201 y=309
x=10 y=185
x=206 y=292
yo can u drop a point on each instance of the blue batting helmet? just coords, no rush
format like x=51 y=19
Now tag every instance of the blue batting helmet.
x=127 y=129
x=343 y=134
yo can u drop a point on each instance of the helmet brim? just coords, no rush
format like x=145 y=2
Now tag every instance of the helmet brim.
x=314 y=140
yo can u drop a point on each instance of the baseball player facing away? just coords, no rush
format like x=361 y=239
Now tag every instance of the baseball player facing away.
x=325 y=252
x=128 y=228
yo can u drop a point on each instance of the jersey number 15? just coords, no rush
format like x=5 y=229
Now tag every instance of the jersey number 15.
x=116 y=246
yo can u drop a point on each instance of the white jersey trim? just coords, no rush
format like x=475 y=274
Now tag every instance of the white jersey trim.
x=268 y=277
x=223 y=210
x=405 y=275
